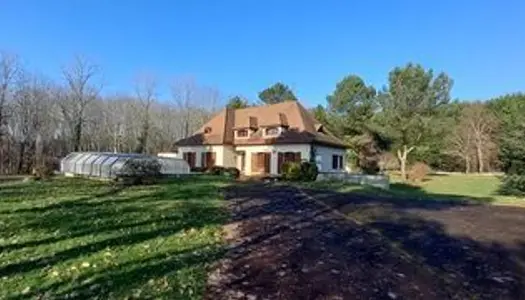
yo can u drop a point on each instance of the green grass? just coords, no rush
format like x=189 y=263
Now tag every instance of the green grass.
x=472 y=187
x=76 y=238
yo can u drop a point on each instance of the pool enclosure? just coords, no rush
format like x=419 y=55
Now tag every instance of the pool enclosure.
x=112 y=165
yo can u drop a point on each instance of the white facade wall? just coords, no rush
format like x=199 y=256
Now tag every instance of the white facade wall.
x=324 y=159
x=229 y=156
x=274 y=150
x=220 y=154
x=226 y=155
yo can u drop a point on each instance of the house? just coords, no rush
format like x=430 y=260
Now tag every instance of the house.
x=258 y=140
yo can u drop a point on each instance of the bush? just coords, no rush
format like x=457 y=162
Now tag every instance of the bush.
x=418 y=171
x=216 y=170
x=309 y=171
x=140 y=170
x=44 y=170
x=513 y=185
x=232 y=172
x=295 y=171
x=198 y=170
x=291 y=171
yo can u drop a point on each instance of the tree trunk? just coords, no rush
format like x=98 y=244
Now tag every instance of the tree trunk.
x=77 y=136
x=480 y=158
x=21 y=158
x=467 y=164
x=403 y=163
x=402 y=156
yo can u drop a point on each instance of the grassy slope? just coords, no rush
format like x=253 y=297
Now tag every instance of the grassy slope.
x=79 y=238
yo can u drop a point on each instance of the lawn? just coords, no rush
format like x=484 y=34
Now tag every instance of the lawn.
x=76 y=238
x=472 y=187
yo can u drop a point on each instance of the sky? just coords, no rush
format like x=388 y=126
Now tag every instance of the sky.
x=243 y=46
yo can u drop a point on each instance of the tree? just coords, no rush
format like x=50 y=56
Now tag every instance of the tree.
x=237 y=102
x=460 y=143
x=509 y=111
x=81 y=91
x=321 y=115
x=277 y=93
x=409 y=106
x=480 y=124
x=9 y=70
x=30 y=112
x=145 y=91
x=352 y=105
x=351 y=110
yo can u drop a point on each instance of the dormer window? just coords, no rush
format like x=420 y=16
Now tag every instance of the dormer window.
x=207 y=130
x=271 y=131
x=242 y=133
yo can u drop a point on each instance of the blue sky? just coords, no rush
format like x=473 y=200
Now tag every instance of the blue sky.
x=243 y=46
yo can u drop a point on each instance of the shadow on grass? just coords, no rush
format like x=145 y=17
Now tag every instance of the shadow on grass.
x=103 y=217
x=292 y=247
x=400 y=192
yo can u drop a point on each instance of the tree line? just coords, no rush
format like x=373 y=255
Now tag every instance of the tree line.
x=43 y=119
x=411 y=119
x=414 y=119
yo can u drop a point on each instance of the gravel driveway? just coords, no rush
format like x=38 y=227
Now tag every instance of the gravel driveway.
x=287 y=243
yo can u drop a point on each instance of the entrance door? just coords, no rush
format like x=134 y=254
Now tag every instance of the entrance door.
x=261 y=162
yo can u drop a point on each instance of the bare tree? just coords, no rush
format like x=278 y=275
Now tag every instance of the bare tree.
x=41 y=119
x=145 y=91
x=183 y=94
x=9 y=69
x=81 y=91
x=30 y=106
x=481 y=124
x=461 y=143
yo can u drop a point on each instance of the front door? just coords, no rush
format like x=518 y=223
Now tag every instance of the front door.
x=261 y=162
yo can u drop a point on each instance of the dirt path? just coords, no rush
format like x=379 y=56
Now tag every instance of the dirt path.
x=285 y=245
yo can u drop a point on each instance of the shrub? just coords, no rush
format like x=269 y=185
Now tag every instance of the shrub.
x=291 y=171
x=140 y=170
x=295 y=171
x=513 y=185
x=45 y=169
x=198 y=170
x=232 y=172
x=216 y=170
x=309 y=171
x=419 y=171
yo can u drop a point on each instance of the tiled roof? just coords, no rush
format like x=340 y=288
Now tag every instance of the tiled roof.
x=301 y=127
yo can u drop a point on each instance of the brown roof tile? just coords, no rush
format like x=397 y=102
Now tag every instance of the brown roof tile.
x=302 y=127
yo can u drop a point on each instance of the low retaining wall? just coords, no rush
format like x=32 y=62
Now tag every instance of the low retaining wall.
x=379 y=181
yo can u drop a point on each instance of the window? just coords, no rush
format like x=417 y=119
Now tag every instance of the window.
x=242 y=133
x=207 y=130
x=337 y=162
x=272 y=131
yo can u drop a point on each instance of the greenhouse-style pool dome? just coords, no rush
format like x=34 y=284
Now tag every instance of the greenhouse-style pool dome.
x=113 y=165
